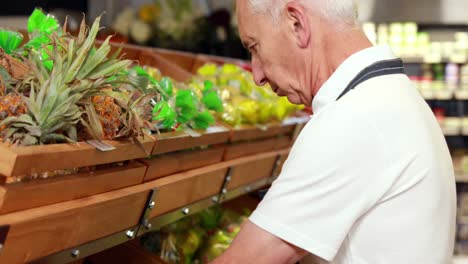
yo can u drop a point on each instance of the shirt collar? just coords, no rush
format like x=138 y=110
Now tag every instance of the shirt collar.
x=346 y=72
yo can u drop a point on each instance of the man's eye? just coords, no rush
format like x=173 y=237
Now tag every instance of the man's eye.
x=253 y=48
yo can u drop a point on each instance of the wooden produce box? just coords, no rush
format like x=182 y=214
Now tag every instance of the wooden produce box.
x=250 y=140
x=181 y=151
x=190 y=62
x=147 y=56
x=176 y=151
x=39 y=232
x=43 y=231
x=83 y=171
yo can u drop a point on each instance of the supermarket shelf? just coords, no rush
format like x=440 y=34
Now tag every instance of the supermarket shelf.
x=444 y=94
x=460 y=259
x=161 y=221
x=434 y=59
x=461 y=177
x=154 y=224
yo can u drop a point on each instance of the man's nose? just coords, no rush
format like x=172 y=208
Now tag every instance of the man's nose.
x=257 y=71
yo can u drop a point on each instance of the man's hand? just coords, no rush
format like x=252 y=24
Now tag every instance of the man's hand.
x=255 y=245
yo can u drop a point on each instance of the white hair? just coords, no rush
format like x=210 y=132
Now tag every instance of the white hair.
x=341 y=11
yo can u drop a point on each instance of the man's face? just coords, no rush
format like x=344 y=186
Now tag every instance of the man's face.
x=275 y=55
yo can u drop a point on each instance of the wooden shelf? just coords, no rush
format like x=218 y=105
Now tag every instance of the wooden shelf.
x=39 y=232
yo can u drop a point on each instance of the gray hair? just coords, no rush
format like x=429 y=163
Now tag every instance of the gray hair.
x=341 y=11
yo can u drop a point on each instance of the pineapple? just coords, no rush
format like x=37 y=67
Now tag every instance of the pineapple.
x=74 y=94
x=109 y=115
x=10 y=104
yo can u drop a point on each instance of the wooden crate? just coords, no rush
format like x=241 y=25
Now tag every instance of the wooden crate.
x=247 y=148
x=180 y=140
x=186 y=188
x=38 y=232
x=171 y=163
x=24 y=161
x=249 y=172
x=248 y=132
x=41 y=192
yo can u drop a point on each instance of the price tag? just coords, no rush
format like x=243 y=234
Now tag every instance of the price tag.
x=100 y=145
x=192 y=132
x=261 y=127
x=216 y=129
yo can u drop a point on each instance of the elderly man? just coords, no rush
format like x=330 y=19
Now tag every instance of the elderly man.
x=370 y=178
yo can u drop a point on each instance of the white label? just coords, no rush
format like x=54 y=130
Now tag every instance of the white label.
x=192 y=132
x=261 y=127
x=102 y=146
x=216 y=129
x=296 y=120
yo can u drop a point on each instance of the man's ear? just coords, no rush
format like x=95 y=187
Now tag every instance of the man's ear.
x=299 y=23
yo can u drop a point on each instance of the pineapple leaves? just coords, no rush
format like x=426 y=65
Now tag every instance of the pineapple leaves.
x=94 y=60
x=82 y=52
x=94 y=122
x=73 y=90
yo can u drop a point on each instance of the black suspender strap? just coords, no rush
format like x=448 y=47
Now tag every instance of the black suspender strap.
x=377 y=69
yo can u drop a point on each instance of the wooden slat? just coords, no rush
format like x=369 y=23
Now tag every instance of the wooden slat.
x=171 y=163
x=180 y=140
x=128 y=253
x=184 y=60
x=249 y=172
x=246 y=132
x=21 y=196
x=189 y=187
x=204 y=58
x=184 y=189
x=19 y=161
x=45 y=230
x=237 y=150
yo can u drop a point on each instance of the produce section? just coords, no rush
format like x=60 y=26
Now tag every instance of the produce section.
x=120 y=140
x=118 y=147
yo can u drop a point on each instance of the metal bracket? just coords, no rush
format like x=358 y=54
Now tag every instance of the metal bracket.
x=89 y=249
x=163 y=220
x=274 y=172
x=245 y=189
x=3 y=236
x=223 y=191
x=297 y=130
x=150 y=204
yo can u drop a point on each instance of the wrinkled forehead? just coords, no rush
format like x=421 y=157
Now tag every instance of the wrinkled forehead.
x=245 y=15
x=243 y=8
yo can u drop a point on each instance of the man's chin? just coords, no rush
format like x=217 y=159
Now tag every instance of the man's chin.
x=294 y=100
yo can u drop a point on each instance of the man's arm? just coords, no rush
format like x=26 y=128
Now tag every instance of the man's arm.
x=255 y=245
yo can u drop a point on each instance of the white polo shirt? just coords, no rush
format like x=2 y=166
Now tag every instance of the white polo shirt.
x=370 y=178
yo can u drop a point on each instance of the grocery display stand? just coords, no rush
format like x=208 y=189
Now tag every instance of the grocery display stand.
x=157 y=180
